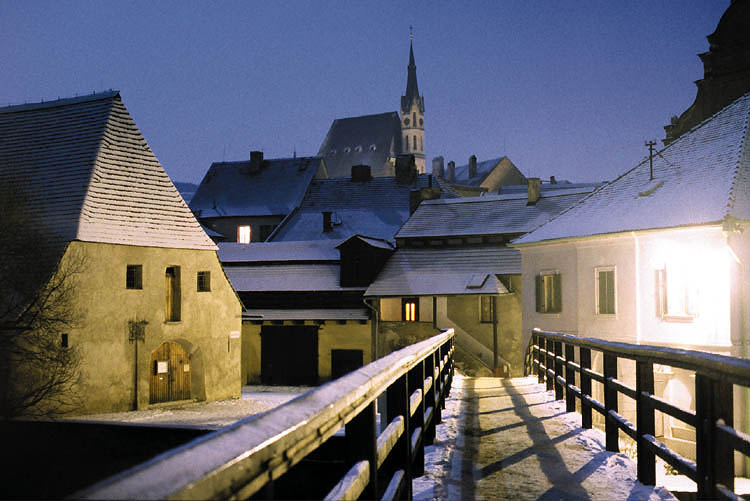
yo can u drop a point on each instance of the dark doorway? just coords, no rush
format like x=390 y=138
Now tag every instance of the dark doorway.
x=289 y=355
x=344 y=362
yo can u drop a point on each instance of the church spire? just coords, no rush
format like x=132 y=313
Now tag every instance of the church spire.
x=412 y=89
x=412 y=114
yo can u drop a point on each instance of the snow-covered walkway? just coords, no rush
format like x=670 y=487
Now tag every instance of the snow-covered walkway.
x=509 y=439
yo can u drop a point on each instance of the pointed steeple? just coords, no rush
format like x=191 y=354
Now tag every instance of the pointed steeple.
x=412 y=89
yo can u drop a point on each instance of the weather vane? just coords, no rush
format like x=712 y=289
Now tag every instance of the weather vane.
x=411 y=32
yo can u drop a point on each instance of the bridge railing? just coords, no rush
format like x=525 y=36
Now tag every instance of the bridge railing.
x=252 y=456
x=559 y=358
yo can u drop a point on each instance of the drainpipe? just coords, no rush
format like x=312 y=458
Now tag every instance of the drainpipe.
x=374 y=328
x=494 y=335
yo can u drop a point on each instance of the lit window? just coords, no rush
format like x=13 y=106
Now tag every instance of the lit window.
x=548 y=292
x=204 y=281
x=410 y=309
x=675 y=293
x=605 y=290
x=487 y=308
x=243 y=234
x=134 y=276
x=172 y=309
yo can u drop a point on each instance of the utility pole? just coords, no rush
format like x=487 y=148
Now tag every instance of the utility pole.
x=650 y=145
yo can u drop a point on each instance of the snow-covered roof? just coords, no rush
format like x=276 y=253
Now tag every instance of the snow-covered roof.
x=88 y=174
x=484 y=169
x=315 y=250
x=297 y=277
x=701 y=178
x=365 y=140
x=446 y=271
x=307 y=314
x=234 y=189
x=376 y=208
x=373 y=242
x=487 y=215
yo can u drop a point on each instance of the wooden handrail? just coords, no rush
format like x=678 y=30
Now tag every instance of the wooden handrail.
x=240 y=459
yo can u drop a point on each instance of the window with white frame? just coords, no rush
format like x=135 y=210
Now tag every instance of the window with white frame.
x=675 y=293
x=606 y=295
x=549 y=292
x=244 y=234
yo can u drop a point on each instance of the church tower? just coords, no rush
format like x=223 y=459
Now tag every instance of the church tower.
x=412 y=115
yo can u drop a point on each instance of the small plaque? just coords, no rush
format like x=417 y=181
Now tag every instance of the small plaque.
x=186 y=368
x=234 y=334
x=162 y=367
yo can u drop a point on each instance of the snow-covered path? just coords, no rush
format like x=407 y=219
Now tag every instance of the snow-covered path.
x=509 y=439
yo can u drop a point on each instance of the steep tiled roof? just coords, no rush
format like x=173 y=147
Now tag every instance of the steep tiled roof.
x=700 y=178
x=233 y=189
x=88 y=174
x=446 y=270
x=366 y=140
x=376 y=208
x=509 y=175
x=488 y=215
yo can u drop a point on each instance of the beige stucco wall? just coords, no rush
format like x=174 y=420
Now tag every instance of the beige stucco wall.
x=208 y=321
x=352 y=335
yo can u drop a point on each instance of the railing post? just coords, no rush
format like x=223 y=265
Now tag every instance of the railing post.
x=539 y=348
x=549 y=364
x=416 y=382
x=715 y=461
x=570 y=379
x=644 y=388
x=558 y=370
x=429 y=400
x=398 y=405
x=585 y=355
x=610 y=403
x=361 y=444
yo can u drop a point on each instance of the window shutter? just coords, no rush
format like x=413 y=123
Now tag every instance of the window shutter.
x=660 y=280
x=557 y=291
x=539 y=294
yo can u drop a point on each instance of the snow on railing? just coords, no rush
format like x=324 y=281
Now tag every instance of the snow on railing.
x=255 y=453
x=556 y=360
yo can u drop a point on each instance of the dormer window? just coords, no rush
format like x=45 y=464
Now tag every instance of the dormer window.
x=347 y=150
x=332 y=151
x=373 y=147
x=358 y=148
x=244 y=234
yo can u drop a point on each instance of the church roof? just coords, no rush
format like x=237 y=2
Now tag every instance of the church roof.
x=701 y=178
x=87 y=173
x=365 y=140
x=234 y=189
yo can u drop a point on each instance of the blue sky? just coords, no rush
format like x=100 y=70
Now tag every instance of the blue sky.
x=570 y=88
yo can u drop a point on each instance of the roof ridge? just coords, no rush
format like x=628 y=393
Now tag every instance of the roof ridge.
x=95 y=96
x=738 y=167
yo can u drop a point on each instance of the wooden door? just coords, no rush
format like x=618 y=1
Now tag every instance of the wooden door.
x=289 y=355
x=170 y=374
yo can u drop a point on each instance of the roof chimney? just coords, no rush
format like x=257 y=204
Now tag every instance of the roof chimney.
x=361 y=173
x=472 y=166
x=438 y=167
x=552 y=180
x=451 y=177
x=534 y=190
x=327 y=223
x=406 y=169
x=256 y=161
x=415 y=197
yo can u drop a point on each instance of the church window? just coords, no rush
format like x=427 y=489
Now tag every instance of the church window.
x=406 y=121
x=421 y=122
x=414 y=117
x=373 y=147
x=421 y=145
x=406 y=142
x=415 y=143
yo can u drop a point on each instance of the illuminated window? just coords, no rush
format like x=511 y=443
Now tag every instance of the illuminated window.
x=548 y=292
x=675 y=293
x=487 y=308
x=243 y=234
x=410 y=309
x=605 y=291
x=134 y=276
x=172 y=285
x=204 y=281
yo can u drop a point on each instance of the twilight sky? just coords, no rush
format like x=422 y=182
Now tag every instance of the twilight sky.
x=568 y=88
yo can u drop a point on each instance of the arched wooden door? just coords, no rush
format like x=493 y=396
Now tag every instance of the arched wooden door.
x=170 y=373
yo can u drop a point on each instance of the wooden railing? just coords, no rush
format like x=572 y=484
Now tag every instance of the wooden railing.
x=252 y=456
x=559 y=359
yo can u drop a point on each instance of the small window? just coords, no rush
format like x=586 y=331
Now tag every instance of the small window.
x=414 y=116
x=406 y=142
x=487 y=309
x=358 y=148
x=410 y=309
x=134 y=276
x=675 y=293
x=173 y=294
x=244 y=234
x=406 y=121
x=605 y=291
x=415 y=143
x=548 y=292
x=373 y=147
x=204 y=281
x=421 y=122
x=332 y=151
x=347 y=150
x=64 y=340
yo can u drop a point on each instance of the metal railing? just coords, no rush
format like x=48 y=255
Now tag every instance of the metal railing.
x=251 y=456
x=554 y=358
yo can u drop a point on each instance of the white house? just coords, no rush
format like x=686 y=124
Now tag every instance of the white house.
x=658 y=256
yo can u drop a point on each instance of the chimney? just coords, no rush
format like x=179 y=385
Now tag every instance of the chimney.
x=415 y=197
x=552 y=180
x=438 y=167
x=534 y=190
x=327 y=224
x=256 y=161
x=451 y=177
x=406 y=169
x=361 y=173
x=472 y=166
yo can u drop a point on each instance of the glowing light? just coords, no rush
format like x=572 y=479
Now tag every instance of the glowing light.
x=243 y=234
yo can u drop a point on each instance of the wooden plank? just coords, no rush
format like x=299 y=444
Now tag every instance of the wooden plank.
x=361 y=444
x=393 y=491
x=388 y=438
x=586 y=417
x=353 y=484
x=683 y=465
x=685 y=415
x=644 y=378
x=610 y=403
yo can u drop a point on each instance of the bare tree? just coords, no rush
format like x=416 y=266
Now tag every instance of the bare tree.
x=39 y=372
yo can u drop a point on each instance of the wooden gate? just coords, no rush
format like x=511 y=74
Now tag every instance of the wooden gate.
x=170 y=374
